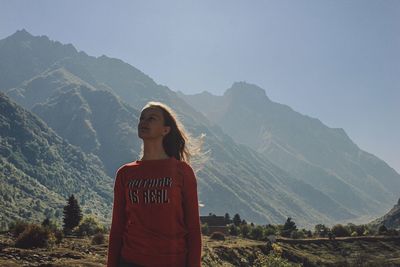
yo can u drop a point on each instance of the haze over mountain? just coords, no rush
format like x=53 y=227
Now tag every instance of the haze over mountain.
x=344 y=72
x=309 y=150
x=94 y=103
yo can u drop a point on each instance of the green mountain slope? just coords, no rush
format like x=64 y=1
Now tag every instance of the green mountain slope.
x=39 y=170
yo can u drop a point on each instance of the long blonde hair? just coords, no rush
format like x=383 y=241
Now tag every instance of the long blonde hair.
x=179 y=143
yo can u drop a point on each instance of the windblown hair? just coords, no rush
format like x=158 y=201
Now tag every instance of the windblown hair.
x=179 y=143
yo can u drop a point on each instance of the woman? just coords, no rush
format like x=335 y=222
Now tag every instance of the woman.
x=155 y=220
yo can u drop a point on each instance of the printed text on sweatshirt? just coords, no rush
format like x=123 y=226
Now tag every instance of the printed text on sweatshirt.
x=155 y=217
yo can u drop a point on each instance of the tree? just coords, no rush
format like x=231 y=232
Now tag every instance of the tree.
x=257 y=232
x=340 y=230
x=227 y=218
x=382 y=230
x=204 y=229
x=321 y=230
x=46 y=222
x=288 y=227
x=233 y=230
x=237 y=220
x=72 y=214
x=245 y=230
x=270 y=230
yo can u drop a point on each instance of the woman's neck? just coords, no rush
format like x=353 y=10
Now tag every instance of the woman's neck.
x=153 y=151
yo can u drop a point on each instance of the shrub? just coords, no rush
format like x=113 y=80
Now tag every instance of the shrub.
x=392 y=232
x=257 y=233
x=59 y=236
x=89 y=226
x=98 y=239
x=17 y=227
x=205 y=229
x=245 y=230
x=217 y=236
x=340 y=230
x=277 y=249
x=270 y=230
x=297 y=234
x=275 y=260
x=50 y=224
x=34 y=236
x=320 y=230
x=308 y=233
x=382 y=229
x=233 y=230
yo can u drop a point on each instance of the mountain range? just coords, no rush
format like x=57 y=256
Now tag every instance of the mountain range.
x=303 y=146
x=267 y=162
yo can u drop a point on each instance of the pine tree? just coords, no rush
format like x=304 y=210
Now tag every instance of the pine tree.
x=236 y=220
x=46 y=222
x=227 y=218
x=72 y=214
x=288 y=227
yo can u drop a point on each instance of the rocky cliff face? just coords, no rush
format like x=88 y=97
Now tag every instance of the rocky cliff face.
x=391 y=219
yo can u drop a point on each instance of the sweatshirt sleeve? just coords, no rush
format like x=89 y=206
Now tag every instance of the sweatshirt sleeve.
x=192 y=219
x=117 y=223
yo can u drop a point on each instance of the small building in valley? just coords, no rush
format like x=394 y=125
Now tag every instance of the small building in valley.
x=215 y=223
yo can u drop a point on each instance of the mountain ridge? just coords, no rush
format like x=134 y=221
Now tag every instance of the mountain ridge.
x=303 y=146
x=272 y=192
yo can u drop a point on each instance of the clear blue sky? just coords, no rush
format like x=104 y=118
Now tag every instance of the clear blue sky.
x=338 y=61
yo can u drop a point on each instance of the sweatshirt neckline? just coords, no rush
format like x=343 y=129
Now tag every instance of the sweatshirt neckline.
x=153 y=161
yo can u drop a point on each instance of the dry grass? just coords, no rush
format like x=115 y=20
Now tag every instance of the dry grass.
x=233 y=251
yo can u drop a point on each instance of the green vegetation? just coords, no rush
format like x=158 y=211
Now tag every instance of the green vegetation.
x=38 y=169
x=89 y=226
x=217 y=236
x=72 y=214
x=31 y=235
x=98 y=239
x=34 y=236
x=290 y=230
x=204 y=229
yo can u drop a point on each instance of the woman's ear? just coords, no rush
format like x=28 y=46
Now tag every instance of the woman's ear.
x=167 y=130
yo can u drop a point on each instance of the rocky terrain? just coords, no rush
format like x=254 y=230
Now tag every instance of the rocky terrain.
x=234 y=251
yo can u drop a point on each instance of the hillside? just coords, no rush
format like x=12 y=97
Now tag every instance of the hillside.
x=78 y=98
x=100 y=123
x=94 y=102
x=323 y=157
x=39 y=170
x=391 y=219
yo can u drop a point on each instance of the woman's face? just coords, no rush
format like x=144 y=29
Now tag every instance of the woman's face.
x=151 y=124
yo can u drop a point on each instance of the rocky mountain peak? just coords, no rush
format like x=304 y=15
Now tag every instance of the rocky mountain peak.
x=245 y=91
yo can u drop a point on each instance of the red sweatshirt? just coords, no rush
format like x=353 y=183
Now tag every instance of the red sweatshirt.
x=155 y=218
